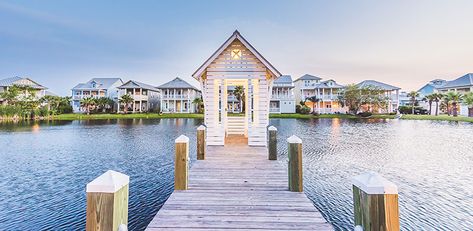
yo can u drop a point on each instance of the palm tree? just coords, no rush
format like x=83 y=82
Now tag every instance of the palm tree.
x=437 y=98
x=87 y=103
x=198 y=102
x=468 y=101
x=413 y=97
x=452 y=97
x=104 y=103
x=126 y=100
x=314 y=100
x=239 y=93
x=430 y=99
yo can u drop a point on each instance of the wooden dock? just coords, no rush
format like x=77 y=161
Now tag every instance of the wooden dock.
x=237 y=188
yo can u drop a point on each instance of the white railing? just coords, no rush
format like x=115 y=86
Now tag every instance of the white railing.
x=79 y=97
x=176 y=97
x=274 y=109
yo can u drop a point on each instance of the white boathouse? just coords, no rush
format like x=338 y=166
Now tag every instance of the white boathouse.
x=236 y=63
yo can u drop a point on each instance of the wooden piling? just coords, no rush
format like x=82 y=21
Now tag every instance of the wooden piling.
x=295 y=163
x=201 y=142
x=107 y=202
x=272 y=146
x=181 y=164
x=375 y=201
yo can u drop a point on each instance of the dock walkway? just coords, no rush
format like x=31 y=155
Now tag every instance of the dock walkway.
x=237 y=188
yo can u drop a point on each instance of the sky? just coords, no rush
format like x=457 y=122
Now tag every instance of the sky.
x=404 y=43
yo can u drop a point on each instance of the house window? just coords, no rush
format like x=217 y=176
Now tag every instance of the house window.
x=236 y=54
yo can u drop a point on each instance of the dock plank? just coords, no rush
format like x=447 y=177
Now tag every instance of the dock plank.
x=237 y=188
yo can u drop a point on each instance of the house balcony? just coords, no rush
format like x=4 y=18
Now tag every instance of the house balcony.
x=284 y=97
x=176 y=97
x=140 y=97
x=80 y=97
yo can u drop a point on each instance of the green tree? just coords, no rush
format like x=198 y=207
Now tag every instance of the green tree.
x=452 y=98
x=87 y=103
x=314 y=100
x=413 y=98
x=437 y=98
x=198 y=103
x=126 y=100
x=468 y=101
x=239 y=93
x=351 y=97
x=104 y=103
x=430 y=99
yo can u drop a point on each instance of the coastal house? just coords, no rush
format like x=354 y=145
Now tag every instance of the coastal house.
x=236 y=63
x=431 y=87
x=327 y=92
x=145 y=97
x=282 y=96
x=304 y=87
x=463 y=84
x=177 y=96
x=95 y=88
x=5 y=84
x=390 y=91
x=233 y=103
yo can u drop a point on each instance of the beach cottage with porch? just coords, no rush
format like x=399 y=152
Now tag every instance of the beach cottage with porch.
x=145 y=97
x=177 y=96
x=236 y=63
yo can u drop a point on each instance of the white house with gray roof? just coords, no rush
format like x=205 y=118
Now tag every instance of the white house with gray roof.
x=95 y=88
x=327 y=93
x=282 y=96
x=304 y=87
x=5 y=84
x=146 y=97
x=390 y=91
x=177 y=96
x=463 y=84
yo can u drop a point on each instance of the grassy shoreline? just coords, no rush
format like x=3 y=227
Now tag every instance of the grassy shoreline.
x=283 y=116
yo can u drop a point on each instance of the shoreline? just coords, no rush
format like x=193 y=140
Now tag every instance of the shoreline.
x=276 y=116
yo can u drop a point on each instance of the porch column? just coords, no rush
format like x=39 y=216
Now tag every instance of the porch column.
x=134 y=92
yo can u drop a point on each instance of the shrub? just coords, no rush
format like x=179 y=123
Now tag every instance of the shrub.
x=365 y=114
x=298 y=108
x=305 y=110
x=408 y=110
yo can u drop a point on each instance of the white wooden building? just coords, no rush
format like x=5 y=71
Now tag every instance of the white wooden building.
x=146 y=98
x=177 y=96
x=236 y=63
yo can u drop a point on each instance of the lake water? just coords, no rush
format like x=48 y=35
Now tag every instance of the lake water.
x=44 y=168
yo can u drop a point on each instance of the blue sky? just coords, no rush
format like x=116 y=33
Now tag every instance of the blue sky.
x=404 y=43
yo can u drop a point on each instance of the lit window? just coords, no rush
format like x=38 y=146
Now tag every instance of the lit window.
x=236 y=54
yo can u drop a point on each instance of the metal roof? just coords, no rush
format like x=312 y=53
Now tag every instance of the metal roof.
x=177 y=83
x=100 y=83
x=136 y=84
x=374 y=83
x=308 y=77
x=464 y=81
x=326 y=84
x=8 y=82
x=284 y=79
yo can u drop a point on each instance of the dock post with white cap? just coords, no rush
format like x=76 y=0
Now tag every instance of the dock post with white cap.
x=273 y=143
x=107 y=202
x=375 y=201
x=181 y=164
x=295 y=163
x=201 y=142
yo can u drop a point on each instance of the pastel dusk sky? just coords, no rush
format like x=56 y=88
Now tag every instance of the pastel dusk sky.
x=404 y=43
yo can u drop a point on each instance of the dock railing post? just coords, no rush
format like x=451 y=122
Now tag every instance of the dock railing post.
x=181 y=164
x=295 y=164
x=273 y=143
x=201 y=142
x=107 y=202
x=375 y=201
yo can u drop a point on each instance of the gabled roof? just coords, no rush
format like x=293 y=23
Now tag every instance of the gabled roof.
x=308 y=77
x=177 y=83
x=235 y=36
x=374 y=83
x=136 y=84
x=436 y=83
x=284 y=79
x=8 y=82
x=326 y=84
x=100 y=83
x=464 y=81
